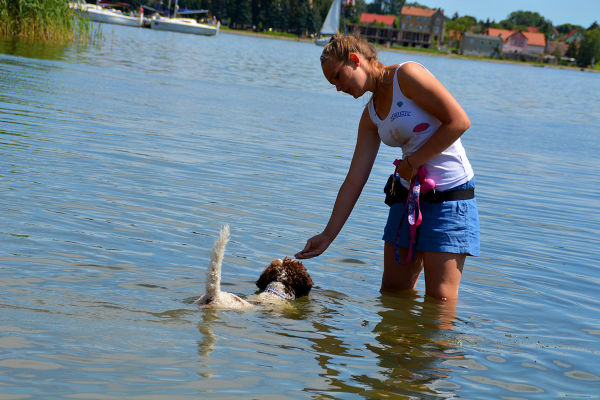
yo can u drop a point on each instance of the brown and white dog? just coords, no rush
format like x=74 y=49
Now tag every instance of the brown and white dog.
x=281 y=280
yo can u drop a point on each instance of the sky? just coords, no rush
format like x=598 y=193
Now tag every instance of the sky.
x=576 y=12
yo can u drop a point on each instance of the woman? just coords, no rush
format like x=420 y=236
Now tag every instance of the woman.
x=410 y=109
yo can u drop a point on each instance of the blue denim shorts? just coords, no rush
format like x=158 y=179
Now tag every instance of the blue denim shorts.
x=448 y=227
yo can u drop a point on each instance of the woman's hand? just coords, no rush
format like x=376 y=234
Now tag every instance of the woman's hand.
x=406 y=169
x=314 y=246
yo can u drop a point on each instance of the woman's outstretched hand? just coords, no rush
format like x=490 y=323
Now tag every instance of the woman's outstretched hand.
x=314 y=246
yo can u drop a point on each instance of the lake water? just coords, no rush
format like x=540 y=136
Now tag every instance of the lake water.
x=120 y=162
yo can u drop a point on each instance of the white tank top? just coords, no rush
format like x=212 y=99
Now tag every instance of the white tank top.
x=408 y=126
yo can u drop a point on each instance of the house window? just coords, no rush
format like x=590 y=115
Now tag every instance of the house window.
x=436 y=29
x=408 y=17
x=403 y=25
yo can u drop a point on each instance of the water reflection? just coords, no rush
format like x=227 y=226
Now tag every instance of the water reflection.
x=39 y=50
x=412 y=342
x=412 y=345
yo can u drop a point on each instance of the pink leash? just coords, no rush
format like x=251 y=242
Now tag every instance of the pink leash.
x=419 y=184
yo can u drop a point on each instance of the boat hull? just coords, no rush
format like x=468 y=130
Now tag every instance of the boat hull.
x=322 y=41
x=173 y=25
x=110 y=17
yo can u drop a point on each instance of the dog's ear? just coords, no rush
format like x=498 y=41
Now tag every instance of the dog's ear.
x=270 y=274
x=298 y=277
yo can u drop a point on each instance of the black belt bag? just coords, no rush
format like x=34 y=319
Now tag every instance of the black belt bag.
x=433 y=196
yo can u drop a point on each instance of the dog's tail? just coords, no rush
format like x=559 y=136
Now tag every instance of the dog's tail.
x=213 y=276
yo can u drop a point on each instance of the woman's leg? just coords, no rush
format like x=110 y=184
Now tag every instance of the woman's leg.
x=399 y=277
x=443 y=272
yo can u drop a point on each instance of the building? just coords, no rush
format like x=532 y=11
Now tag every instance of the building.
x=472 y=44
x=376 y=28
x=525 y=43
x=421 y=27
x=574 y=36
x=519 y=43
x=415 y=27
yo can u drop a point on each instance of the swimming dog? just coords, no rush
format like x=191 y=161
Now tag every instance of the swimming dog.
x=281 y=280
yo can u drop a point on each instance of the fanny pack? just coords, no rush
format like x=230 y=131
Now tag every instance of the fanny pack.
x=400 y=193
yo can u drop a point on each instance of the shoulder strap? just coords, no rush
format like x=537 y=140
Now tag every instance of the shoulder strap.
x=372 y=113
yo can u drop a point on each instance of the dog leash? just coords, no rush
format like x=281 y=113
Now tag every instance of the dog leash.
x=419 y=184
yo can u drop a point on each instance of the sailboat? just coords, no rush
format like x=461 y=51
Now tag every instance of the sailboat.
x=184 y=25
x=331 y=25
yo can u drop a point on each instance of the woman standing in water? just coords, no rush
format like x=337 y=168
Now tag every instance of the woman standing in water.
x=409 y=109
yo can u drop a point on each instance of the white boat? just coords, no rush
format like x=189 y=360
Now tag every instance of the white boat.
x=97 y=13
x=331 y=25
x=184 y=25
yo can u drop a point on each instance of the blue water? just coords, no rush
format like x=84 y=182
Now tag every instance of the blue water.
x=120 y=161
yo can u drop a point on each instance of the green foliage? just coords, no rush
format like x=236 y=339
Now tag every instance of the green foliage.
x=572 y=50
x=415 y=4
x=525 y=18
x=386 y=7
x=49 y=20
x=565 y=28
x=588 y=52
x=461 y=24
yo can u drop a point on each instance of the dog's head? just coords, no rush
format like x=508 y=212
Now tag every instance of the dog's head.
x=291 y=273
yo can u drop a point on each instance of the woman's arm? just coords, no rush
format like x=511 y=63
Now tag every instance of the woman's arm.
x=365 y=152
x=427 y=92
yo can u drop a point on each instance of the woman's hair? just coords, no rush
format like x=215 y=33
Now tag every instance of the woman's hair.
x=340 y=47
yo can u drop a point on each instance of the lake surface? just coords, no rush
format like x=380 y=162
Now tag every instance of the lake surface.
x=119 y=162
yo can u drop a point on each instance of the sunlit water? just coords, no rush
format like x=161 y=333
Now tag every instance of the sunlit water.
x=119 y=163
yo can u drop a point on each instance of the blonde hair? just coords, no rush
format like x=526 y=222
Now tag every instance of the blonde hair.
x=340 y=47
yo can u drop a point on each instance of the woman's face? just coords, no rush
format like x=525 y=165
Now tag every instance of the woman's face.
x=348 y=77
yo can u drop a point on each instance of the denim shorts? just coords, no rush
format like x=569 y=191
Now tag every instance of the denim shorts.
x=448 y=227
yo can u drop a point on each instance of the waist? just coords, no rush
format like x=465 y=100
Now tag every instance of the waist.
x=465 y=191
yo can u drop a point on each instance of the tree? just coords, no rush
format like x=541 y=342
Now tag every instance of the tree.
x=566 y=28
x=284 y=16
x=461 y=24
x=572 y=50
x=525 y=18
x=241 y=14
x=415 y=4
x=589 y=48
x=547 y=29
x=376 y=7
x=395 y=6
x=302 y=15
x=360 y=6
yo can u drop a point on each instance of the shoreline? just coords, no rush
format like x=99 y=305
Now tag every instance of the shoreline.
x=447 y=55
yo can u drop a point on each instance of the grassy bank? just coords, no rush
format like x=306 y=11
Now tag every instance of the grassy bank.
x=45 y=20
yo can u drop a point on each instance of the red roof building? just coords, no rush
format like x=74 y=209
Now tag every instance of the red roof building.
x=415 y=27
x=519 y=42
